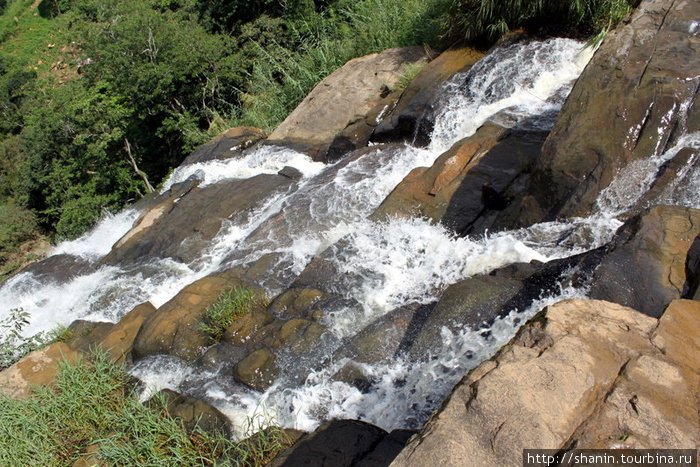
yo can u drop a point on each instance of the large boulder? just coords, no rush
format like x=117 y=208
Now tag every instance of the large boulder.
x=468 y=186
x=340 y=113
x=344 y=443
x=427 y=191
x=37 y=368
x=118 y=342
x=645 y=267
x=636 y=96
x=583 y=372
x=411 y=120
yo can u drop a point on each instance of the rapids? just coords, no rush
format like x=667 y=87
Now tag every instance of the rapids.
x=383 y=265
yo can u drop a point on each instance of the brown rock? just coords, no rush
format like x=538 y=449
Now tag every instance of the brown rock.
x=85 y=334
x=195 y=413
x=257 y=370
x=582 y=372
x=226 y=145
x=634 y=96
x=427 y=192
x=119 y=341
x=36 y=368
x=173 y=328
x=162 y=230
x=344 y=98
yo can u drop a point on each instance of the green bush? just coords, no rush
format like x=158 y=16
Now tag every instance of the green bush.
x=92 y=404
x=229 y=305
x=17 y=225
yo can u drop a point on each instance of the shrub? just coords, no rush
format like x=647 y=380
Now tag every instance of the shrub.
x=13 y=345
x=17 y=225
x=229 y=305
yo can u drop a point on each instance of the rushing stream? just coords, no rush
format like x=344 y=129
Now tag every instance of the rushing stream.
x=384 y=265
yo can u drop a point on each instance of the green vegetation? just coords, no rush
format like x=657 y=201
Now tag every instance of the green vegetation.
x=487 y=20
x=100 y=99
x=229 y=305
x=14 y=345
x=92 y=405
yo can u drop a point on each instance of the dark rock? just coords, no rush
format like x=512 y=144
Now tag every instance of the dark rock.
x=381 y=340
x=473 y=208
x=162 y=231
x=691 y=289
x=291 y=173
x=477 y=301
x=60 y=268
x=222 y=357
x=84 y=335
x=257 y=370
x=295 y=302
x=226 y=145
x=645 y=267
x=173 y=328
x=336 y=443
x=387 y=449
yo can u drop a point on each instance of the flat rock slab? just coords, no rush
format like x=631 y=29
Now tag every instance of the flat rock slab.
x=587 y=372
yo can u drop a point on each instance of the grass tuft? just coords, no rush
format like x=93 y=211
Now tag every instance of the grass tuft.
x=230 y=305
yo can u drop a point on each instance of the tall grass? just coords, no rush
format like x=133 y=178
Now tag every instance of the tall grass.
x=92 y=405
x=285 y=76
x=487 y=20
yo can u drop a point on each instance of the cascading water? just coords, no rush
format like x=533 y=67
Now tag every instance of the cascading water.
x=384 y=265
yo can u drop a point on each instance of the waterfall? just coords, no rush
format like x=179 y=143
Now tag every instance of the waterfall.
x=383 y=265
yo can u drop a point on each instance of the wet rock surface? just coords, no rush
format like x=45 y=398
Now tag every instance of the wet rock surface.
x=173 y=328
x=636 y=95
x=411 y=120
x=177 y=229
x=226 y=145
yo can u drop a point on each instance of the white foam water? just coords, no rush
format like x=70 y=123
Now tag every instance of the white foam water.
x=260 y=160
x=98 y=242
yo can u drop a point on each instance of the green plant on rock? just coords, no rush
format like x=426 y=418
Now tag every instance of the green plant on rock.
x=14 y=345
x=229 y=305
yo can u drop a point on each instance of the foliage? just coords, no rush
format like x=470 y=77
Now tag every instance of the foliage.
x=16 y=226
x=229 y=305
x=13 y=345
x=487 y=20
x=92 y=404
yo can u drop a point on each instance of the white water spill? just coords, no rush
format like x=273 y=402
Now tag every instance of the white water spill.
x=499 y=81
x=383 y=265
x=261 y=160
x=98 y=242
x=631 y=183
